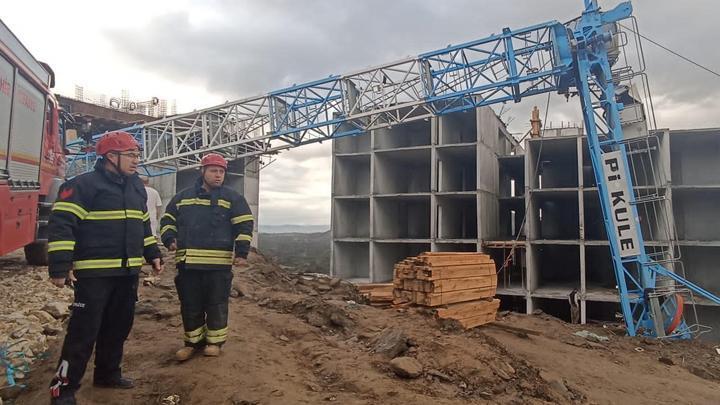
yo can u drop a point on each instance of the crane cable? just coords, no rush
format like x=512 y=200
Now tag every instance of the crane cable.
x=671 y=51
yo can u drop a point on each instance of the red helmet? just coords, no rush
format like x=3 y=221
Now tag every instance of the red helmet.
x=213 y=159
x=116 y=141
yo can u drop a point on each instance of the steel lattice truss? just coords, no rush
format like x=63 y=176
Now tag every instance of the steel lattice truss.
x=503 y=67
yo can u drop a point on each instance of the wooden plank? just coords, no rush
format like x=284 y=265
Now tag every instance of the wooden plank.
x=454 y=260
x=435 y=299
x=453 y=254
x=455 y=284
x=468 y=323
x=447 y=272
x=468 y=309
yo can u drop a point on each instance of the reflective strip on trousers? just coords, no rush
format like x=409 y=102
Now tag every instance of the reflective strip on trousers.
x=216 y=336
x=195 y=336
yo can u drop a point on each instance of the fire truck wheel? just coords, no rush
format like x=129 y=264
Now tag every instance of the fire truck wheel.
x=36 y=254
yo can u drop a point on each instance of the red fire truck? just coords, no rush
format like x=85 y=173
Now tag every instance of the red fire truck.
x=32 y=161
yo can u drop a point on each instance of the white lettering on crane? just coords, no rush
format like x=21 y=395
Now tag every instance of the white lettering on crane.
x=618 y=198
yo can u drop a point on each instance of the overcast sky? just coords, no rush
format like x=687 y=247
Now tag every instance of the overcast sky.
x=205 y=52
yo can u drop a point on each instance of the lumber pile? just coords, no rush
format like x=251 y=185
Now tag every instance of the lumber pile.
x=378 y=295
x=457 y=285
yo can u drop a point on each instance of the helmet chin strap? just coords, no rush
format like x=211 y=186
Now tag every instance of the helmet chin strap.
x=115 y=166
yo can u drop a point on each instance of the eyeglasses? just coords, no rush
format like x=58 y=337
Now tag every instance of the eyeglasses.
x=131 y=155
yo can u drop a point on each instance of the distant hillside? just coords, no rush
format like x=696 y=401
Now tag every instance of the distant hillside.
x=308 y=252
x=290 y=228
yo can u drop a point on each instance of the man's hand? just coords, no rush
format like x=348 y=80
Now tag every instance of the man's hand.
x=157 y=266
x=173 y=246
x=61 y=281
x=240 y=262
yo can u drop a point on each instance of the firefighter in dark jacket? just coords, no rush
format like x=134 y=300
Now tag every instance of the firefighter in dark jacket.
x=99 y=233
x=209 y=227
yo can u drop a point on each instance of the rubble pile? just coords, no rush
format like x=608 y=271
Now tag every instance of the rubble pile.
x=32 y=312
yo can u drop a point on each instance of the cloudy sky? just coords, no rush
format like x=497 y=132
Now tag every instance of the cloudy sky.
x=204 y=52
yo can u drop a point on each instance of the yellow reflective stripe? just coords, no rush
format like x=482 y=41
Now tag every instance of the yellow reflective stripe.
x=244 y=237
x=61 y=245
x=195 y=336
x=217 y=338
x=209 y=253
x=193 y=201
x=169 y=216
x=105 y=263
x=146 y=216
x=241 y=218
x=105 y=215
x=202 y=201
x=135 y=214
x=149 y=240
x=114 y=214
x=218 y=332
x=72 y=208
x=167 y=228
x=208 y=260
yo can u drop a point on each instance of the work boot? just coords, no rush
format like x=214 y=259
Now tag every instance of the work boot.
x=185 y=353
x=122 y=383
x=63 y=400
x=211 y=350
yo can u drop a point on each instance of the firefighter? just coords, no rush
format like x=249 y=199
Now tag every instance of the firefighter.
x=209 y=226
x=99 y=232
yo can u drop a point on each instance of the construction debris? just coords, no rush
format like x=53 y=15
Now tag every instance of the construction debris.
x=378 y=295
x=457 y=285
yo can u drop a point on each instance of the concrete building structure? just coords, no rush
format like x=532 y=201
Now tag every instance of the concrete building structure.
x=461 y=183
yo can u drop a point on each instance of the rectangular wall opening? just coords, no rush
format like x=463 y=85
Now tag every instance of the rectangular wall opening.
x=455 y=247
x=558 y=267
x=558 y=214
x=512 y=276
x=694 y=157
x=696 y=214
x=406 y=171
x=558 y=308
x=599 y=272
x=558 y=162
x=352 y=144
x=416 y=133
x=351 y=218
x=458 y=128
x=386 y=255
x=701 y=265
x=511 y=214
x=457 y=217
x=351 y=175
x=457 y=169
x=351 y=260
x=402 y=218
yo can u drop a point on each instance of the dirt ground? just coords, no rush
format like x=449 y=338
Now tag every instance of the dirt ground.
x=300 y=339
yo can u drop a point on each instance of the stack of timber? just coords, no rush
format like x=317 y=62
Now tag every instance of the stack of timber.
x=457 y=285
x=378 y=295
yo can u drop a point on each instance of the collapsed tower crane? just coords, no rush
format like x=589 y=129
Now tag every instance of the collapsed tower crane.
x=578 y=58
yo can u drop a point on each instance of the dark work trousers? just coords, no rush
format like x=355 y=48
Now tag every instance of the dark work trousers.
x=204 y=298
x=102 y=316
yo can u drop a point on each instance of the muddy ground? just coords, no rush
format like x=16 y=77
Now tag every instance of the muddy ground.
x=301 y=339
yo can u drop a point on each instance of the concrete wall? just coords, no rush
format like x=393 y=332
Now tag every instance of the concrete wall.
x=430 y=185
